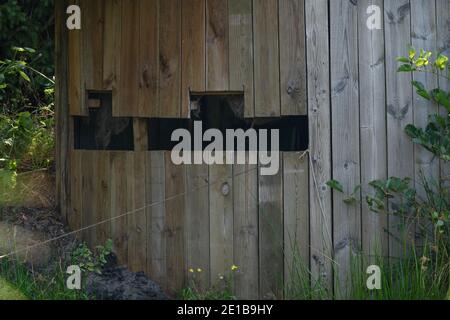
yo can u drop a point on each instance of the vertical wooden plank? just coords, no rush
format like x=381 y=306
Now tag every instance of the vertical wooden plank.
x=103 y=196
x=245 y=246
x=292 y=57
x=271 y=264
x=93 y=26
x=197 y=223
x=266 y=64
x=75 y=213
x=443 y=46
x=240 y=22
x=111 y=42
x=423 y=34
x=169 y=58
x=88 y=159
x=63 y=146
x=221 y=220
x=217 y=79
x=112 y=52
x=318 y=69
x=193 y=51
x=77 y=105
x=156 y=229
x=136 y=211
x=345 y=135
x=296 y=216
x=399 y=104
x=140 y=132
x=129 y=75
x=372 y=127
x=119 y=230
x=148 y=58
x=175 y=217
x=217 y=70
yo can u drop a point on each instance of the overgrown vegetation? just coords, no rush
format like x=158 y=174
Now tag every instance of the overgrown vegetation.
x=222 y=289
x=37 y=285
x=90 y=261
x=26 y=88
x=423 y=273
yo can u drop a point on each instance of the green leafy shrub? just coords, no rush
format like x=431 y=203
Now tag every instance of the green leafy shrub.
x=435 y=137
x=428 y=211
x=89 y=261
x=22 y=86
x=28 y=23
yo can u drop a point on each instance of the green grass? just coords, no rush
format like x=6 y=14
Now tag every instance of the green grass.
x=412 y=277
x=8 y=292
x=38 y=286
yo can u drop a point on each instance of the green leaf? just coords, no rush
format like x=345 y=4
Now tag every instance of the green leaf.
x=405 y=68
x=18 y=49
x=421 y=91
x=335 y=185
x=403 y=59
x=24 y=76
x=350 y=200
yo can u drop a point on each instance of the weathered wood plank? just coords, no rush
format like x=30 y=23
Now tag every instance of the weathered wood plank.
x=423 y=36
x=399 y=105
x=88 y=160
x=75 y=213
x=102 y=212
x=112 y=60
x=271 y=261
x=170 y=58
x=443 y=46
x=76 y=72
x=119 y=230
x=136 y=211
x=193 y=51
x=175 y=217
x=240 y=23
x=63 y=159
x=129 y=75
x=140 y=130
x=93 y=26
x=156 y=229
x=221 y=220
x=345 y=135
x=292 y=57
x=372 y=127
x=217 y=70
x=245 y=246
x=296 y=217
x=197 y=224
x=266 y=63
x=318 y=68
x=148 y=58
x=111 y=43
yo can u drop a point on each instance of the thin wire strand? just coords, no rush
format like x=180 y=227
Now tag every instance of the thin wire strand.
x=139 y=210
x=208 y=184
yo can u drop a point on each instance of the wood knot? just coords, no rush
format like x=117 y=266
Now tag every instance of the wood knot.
x=225 y=189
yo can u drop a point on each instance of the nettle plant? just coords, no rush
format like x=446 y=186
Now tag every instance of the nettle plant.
x=395 y=196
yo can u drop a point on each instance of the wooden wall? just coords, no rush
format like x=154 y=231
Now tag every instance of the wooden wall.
x=290 y=57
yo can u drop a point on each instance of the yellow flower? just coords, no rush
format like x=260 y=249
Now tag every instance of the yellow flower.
x=199 y=270
x=234 y=268
x=191 y=270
